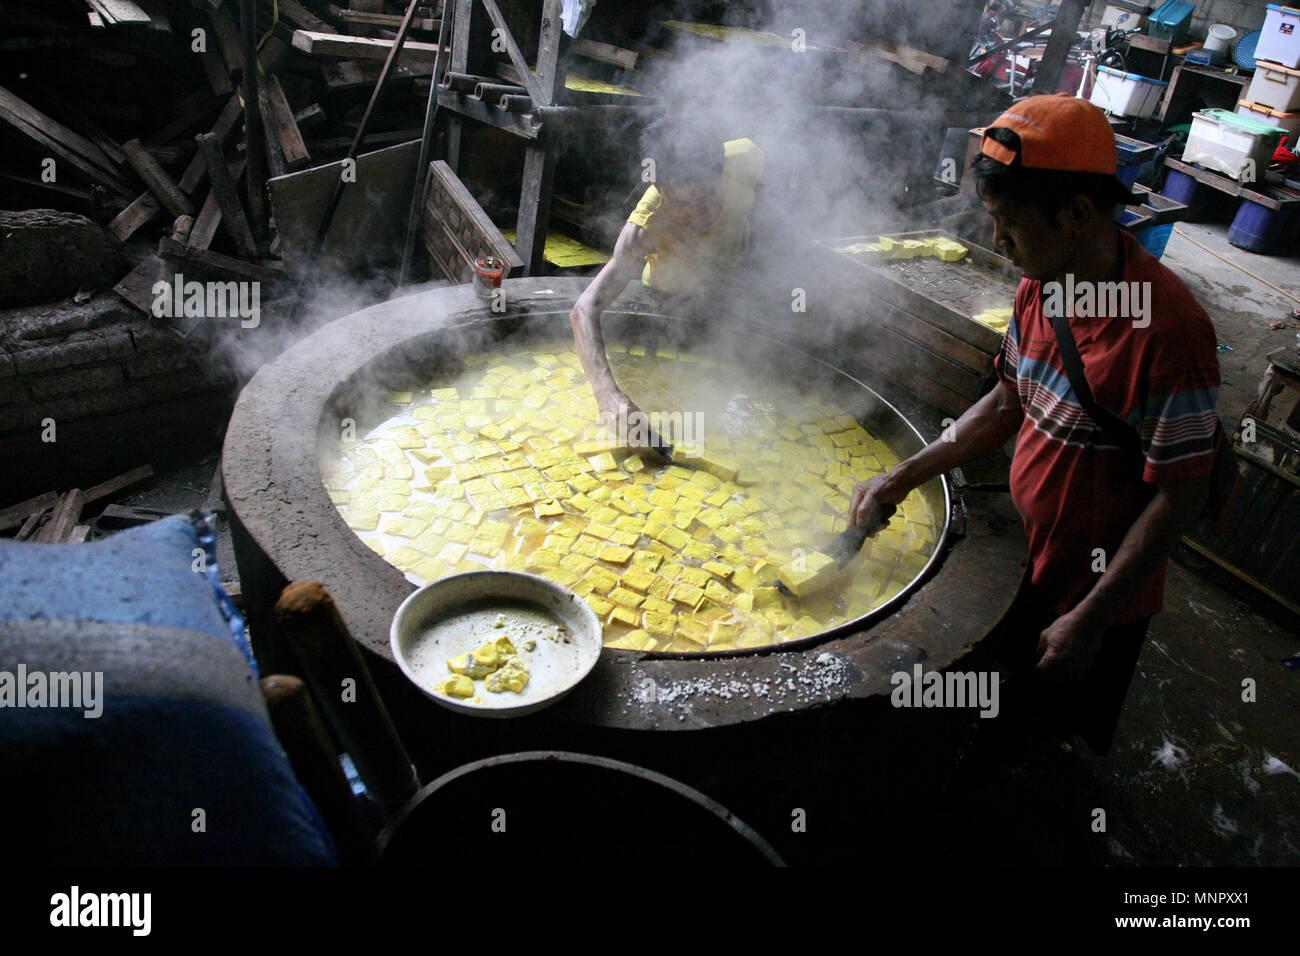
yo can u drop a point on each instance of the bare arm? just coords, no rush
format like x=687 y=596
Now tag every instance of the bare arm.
x=986 y=425
x=633 y=245
x=1072 y=641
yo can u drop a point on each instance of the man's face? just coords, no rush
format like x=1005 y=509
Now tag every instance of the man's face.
x=1039 y=245
x=695 y=205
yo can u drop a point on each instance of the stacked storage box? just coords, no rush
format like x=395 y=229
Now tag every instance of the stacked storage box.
x=1275 y=86
x=1172 y=20
x=1123 y=15
x=1287 y=121
x=1237 y=146
x=1127 y=94
x=1279 y=40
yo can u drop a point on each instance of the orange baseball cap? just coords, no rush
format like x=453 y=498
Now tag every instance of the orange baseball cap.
x=1058 y=132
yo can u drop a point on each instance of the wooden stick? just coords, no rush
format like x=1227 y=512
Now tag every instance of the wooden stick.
x=315 y=763
x=197 y=169
x=341 y=682
x=232 y=213
x=364 y=48
x=29 y=526
x=167 y=191
x=114 y=485
x=1255 y=276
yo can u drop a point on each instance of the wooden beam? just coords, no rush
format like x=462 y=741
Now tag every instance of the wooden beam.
x=63 y=142
x=187 y=114
x=534 y=206
x=365 y=48
x=227 y=31
x=389 y=21
x=280 y=120
x=295 y=12
x=65 y=517
x=14 y=515
x=214 y=263
x=232 y=213
x=605 y=53
x=114 y=485
x=30 y=525
x=358 y=74
x=229 y=116
x=126 y=222
x=168 y=193
x=214 y=65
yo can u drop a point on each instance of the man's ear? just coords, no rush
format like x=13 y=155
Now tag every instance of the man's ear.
x=1082 y=211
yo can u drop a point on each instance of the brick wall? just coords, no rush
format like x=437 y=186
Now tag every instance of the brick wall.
x=120 y=390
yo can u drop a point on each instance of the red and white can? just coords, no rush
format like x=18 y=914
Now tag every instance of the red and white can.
x=488 y=272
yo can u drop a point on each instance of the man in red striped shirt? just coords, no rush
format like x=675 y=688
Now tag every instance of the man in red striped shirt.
x=1101 y=519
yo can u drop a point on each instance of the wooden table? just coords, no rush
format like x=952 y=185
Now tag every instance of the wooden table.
x=1192 y=88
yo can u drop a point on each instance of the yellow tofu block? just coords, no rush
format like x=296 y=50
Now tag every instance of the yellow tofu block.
x=362 y=520
x=430 y=569
x=624 y=615
x=659 y=625
x=804 y=627
x=505 y=561
x=615 y=554
x=393 y=502
x=712 y=518
x=576 y=562
x=688 y=639
x=638 y=579
x=717 y=593
x=674 y=538
x=657 y=604
x=687 y=594
x=626 y=597
x=542 y=561
x=603 y=580
x=699 y=551
x=602 y=462
x=693 y=491
x=600 y=605
x=719 y=569
x=452 y=553
x=646 y=560
x=548 y=509
x=557 y=544
x=637 y=640
x=661 y=588
x=458 y=686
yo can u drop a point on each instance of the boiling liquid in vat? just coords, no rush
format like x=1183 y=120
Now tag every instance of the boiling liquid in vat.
x=505 y=467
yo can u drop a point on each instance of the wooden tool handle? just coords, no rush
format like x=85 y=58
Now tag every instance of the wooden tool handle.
x=312 y=755
x=341 y=683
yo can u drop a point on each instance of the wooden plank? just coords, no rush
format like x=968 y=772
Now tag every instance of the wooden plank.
x=605 y=53
x=136 y=287
x=63 y=142
x=227 y=31
x=66 y=514
x=126 y=222
x=30 y=526
x=295 y=12
x=160 y=183
x=206 y=222
x=390 y=21
x=232 y=213
x=14 y=515
x=364 y=48
x=79 y=534
x=214 y=67
x=113 y=485
x=280 y=120
x=363 y=74
x=214 y=263
x=476 y=109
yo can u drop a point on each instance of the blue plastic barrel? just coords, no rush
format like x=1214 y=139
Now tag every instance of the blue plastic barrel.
x=1154 y=238
x=1256 y=228
x=1181 y=187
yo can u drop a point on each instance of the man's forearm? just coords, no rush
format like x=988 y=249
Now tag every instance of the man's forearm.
x=983 y=427
x=590 y=342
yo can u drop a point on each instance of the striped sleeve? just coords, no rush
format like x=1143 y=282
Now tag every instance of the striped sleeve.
x=1178 y=418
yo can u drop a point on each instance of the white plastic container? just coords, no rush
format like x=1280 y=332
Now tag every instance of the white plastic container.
x=1287 y=121
x=1126 y=94
x=1279 y=40
x=1237 y=146
x=1275 y=86
x=1219 y=36
x=1128 y=16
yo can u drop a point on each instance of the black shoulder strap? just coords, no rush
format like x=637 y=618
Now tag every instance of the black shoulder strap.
x=1120 y=431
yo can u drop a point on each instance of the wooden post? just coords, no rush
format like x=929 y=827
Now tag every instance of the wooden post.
x=1058 y=45
x=340 y=680
x=534 y=206
x=315 y=763
x=253 y=123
